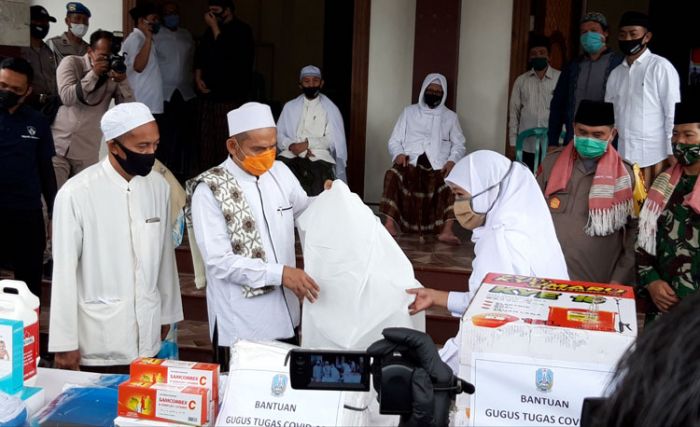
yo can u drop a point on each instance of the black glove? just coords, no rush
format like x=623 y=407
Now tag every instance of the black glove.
x=430 y=408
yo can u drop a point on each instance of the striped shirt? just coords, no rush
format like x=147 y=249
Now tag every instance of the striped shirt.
x=529 y=104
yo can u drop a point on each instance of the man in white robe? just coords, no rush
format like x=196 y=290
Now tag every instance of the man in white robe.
x=311 y=135
x=115 y=286
x=242 y=213
x=426 y=143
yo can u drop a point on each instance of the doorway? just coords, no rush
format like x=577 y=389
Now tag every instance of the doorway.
x=290 y=34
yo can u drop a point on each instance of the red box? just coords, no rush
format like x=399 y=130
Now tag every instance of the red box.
x=164 y=402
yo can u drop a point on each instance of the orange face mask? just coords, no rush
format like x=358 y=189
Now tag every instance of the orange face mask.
x=258 y=164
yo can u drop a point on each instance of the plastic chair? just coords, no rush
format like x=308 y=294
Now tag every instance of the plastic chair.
x=540 y=135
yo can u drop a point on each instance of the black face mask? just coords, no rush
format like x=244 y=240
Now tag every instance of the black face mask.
x=155 y=27
x=432 y=100
x=539 y=63
x=135 y=163
x=219 y=17
x=631 y=47
x=39 y=31
x=311 y=92
x=8 y=99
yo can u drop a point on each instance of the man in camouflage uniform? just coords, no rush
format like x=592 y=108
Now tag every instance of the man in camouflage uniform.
x=668 y=251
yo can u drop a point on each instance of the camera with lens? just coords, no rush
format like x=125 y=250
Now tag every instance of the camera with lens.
x=392 y=374
x=117 y=62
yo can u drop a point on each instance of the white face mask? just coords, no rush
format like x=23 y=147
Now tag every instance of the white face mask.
x=78 y=30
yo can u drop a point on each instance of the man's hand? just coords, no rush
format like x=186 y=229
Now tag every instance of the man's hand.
x=426 y=298
x=211 y=21
x=300 y=283
x=67 y=360
x=145 y=28
x=164 y=329
x=328 y=184
x=117 y=77
x=101 y=66
x=447 y=168
x=662 y=294
x=401 y=160
x=201 y=86
x=299 y=147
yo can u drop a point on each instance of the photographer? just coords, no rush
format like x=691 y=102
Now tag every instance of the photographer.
x=86 y=84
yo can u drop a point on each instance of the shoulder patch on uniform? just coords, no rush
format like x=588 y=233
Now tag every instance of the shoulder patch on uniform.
x=554 y=202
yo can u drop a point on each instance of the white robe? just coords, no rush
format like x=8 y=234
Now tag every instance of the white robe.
x=362 y=272
x=518 y=236
x=114 y=278
x=276 y=199
x=435 y=132
x=288 y=126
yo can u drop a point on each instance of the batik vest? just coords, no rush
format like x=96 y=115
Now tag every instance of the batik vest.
x=242 y=230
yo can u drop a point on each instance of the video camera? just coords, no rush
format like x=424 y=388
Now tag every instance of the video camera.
x=117 y=62
x=392 y=366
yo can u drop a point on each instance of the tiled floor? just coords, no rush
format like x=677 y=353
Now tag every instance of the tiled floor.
x=428 y=252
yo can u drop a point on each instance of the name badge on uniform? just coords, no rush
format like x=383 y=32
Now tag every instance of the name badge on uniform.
x=152 y=220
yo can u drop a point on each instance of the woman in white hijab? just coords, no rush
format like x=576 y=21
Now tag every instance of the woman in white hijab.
x=512 y=232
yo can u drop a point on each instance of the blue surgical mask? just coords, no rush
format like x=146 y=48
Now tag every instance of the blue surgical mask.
x=592 y=42
x=171 y=21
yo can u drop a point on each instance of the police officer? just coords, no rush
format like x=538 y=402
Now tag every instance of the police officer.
x=41 y=58
x=71 y=42
x=26 y=173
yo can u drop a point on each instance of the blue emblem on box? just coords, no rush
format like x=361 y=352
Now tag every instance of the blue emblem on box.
x=279 y=385
x=544 y=379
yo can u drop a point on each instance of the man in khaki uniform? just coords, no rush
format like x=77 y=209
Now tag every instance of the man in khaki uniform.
x=591 y=195
x=71 y=42
x=41 y=59
x=76 y=131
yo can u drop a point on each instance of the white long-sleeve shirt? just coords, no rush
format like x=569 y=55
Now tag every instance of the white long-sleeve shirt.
x=414 y=134
x=529 y=104
x=114 y=278
x=175 y=55
x=644 y=96
x=275 y=199
x=313 y=126
x=147 y=84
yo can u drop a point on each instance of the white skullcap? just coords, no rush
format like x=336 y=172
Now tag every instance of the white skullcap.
x=310 y=70
x=124 y=117
x=249 y=116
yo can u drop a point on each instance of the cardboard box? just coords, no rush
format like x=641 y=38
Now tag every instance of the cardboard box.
x=164 y=402
x=535 y=348
x=177 y=372
x=136 y=422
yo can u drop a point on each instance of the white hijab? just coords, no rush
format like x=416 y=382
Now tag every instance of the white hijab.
x=518 y=236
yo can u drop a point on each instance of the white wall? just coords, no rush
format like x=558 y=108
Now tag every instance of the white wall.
x=389 y=88
x=484 y=67
x=106 y=15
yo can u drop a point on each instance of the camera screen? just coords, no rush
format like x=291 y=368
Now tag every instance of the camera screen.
x=331 y=371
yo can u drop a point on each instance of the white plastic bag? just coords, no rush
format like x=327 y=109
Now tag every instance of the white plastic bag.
x=361 y=270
